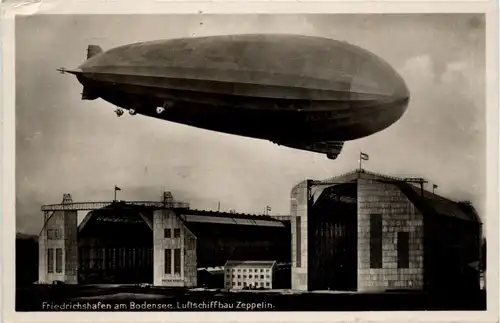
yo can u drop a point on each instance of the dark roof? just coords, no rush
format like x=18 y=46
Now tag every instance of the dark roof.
x=227 y=214
x=429 y=203
x=215 y=219
x=251 y=263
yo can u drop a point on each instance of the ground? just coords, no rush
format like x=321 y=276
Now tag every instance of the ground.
x=134 y=297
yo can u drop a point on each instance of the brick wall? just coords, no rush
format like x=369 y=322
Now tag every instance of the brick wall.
x=398 y=215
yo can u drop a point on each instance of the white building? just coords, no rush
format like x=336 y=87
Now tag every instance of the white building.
x=249 y=274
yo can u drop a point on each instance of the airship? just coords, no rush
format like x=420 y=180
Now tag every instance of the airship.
x=302 y=92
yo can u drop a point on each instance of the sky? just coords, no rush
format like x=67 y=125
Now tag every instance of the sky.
x=66 y=145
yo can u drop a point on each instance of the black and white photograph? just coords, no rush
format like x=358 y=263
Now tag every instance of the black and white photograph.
x=251 y=162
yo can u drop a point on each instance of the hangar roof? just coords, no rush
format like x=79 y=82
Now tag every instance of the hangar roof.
x=429 y=203
x=230 y=220
x=193 y=218
x=438 y=205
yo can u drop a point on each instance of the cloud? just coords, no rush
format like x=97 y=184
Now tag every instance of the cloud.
x=418 y=72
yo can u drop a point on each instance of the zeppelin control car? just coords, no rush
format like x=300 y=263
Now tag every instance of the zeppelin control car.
x=302 y=92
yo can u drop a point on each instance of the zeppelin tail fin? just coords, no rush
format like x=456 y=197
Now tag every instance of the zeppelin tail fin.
x=93 y=50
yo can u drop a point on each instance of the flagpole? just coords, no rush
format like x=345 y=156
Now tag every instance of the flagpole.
x=115 y=195
x=360 y=161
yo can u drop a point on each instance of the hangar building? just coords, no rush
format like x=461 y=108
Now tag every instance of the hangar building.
x=363 y=231
x=147 y=242
x=360 y=231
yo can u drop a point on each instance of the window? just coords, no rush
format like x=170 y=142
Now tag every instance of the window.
x=239 y=283
x=50 y=260
x=261 y=276
x=249 y=276
x=267 y=276
x=191 y=243
x=298 y=240
x=177 y=233
x=53 y=234
x=177 y=261
x=239 y=276
x=59 y=255
x=403 y=250
x=376 y=241
x=244 y=276
x=267 y=284
x=262 y=270
x=168 y=261
x=245 y=284
x=167 y=233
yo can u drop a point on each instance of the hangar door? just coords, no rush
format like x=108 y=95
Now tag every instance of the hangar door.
x=332 y=238
x=115 y=247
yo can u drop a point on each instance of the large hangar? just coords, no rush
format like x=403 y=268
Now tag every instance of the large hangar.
x=163 y=243
x=363 y=231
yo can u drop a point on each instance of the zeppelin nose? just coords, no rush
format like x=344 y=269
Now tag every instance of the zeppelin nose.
x=401 y=94
x=375 y=77
x=400 y=89
x=376 y=81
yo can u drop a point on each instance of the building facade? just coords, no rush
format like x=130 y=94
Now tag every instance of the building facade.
x=249 y=274
x=58 y=248
x=369 y=232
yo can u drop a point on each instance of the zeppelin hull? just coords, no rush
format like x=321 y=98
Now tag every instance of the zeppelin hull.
x=275 y=120
x=293 y=90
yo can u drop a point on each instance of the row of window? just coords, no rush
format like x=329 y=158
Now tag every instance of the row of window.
x=403 y=245
x=244 y=284
x=176 y=263
x=250 y=270
x=249 y=276
x=167 y=233
x=58 y=260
